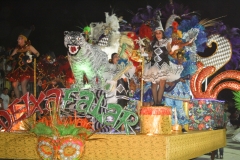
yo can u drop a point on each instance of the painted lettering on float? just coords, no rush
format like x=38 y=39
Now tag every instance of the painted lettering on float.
x=120 y=116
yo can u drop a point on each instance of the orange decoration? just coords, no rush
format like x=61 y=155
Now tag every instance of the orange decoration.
x=194 y=77
x=156 y=111
x=175 y=26
x=215 y=86
x=78 y=122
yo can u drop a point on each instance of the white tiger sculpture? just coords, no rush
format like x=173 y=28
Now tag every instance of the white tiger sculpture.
x=85 y=58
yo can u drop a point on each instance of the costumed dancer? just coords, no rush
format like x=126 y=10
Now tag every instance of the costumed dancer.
x=120 y=74
x=111 y=71
x=122 y=83
x=23 y=69
x=178 y=91
x=158 y=69
x=177 y=41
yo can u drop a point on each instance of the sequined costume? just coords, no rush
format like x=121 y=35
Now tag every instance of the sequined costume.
x=175 y=99
x=179 y=94
x=159 y=66
x=21 y=69
x=147 y=94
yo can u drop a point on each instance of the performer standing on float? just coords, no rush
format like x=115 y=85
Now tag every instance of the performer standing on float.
x=122 y=86
x=179 y=91
x=158 y=69
x=23 y=70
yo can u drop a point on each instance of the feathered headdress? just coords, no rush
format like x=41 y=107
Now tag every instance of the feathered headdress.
x=112 y=21
x=171 y=20
x=145 y=32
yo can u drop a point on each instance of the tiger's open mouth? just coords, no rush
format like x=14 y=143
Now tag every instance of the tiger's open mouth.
x=73 y=49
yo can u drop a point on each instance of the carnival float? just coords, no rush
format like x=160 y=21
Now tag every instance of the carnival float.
x=93 y=108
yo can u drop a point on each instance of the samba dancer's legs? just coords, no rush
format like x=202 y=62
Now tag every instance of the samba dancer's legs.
x=157 y=92
x=24 y=86
x=160 y=91
x=15 y=88
x=154 y=93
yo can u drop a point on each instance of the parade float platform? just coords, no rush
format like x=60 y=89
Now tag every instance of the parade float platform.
x=177 y=146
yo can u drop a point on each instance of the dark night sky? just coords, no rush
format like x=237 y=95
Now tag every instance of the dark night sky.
x=52 y=17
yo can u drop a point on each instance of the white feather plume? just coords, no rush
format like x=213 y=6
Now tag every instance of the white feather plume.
x=112 y=21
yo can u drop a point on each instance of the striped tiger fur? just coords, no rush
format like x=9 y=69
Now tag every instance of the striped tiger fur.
x=85 y=58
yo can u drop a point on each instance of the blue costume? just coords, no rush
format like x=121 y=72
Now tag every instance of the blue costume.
x=180 y=93
x=147 y=93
